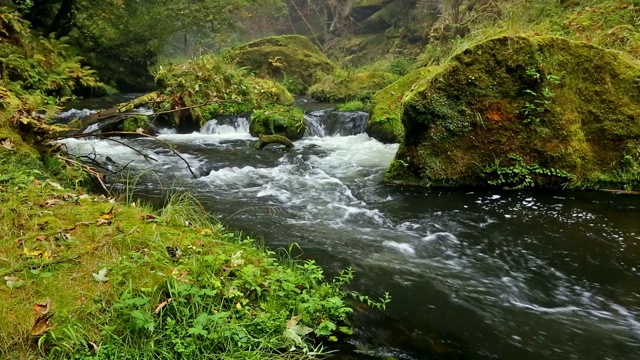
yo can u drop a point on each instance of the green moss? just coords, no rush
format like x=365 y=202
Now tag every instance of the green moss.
x=356 y=105
x=292 y=59
x=343 y=86
x=385 y=123
x=134 y=123
x=268 y=92
x=278 y=120
x=554 y=103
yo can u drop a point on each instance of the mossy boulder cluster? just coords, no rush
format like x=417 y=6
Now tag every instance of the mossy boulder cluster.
x=385 y=123
x=278 y=120
x=520 y=112
x=291 y=59
x=344 y=87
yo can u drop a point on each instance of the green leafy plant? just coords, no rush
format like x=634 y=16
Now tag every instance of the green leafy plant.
x=520 y=175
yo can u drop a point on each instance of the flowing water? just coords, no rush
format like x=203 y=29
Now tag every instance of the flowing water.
x=473 y=274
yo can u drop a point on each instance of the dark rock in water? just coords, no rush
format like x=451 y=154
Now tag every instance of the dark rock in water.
x=519 y=112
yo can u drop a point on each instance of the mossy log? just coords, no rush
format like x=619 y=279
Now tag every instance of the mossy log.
x=264 y=140
x=123 y=108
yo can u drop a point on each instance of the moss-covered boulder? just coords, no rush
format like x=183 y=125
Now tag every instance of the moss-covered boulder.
x=344 y=87
x=385 y=123
x=521 y=112
x=291 y=59
x=278 y=120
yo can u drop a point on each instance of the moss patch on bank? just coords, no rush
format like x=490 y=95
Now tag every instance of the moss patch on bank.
x=291 y=59
x=343 y=86
x=385 y=123
x=521 y=112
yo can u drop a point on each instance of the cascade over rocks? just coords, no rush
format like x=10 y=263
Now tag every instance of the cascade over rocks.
x=520 y=112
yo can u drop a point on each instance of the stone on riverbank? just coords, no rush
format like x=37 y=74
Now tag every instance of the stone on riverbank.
x=520 y=112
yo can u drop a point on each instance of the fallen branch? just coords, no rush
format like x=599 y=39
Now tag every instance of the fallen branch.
x=107 y=134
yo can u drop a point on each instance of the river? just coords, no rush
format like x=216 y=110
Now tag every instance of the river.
x=473 y=274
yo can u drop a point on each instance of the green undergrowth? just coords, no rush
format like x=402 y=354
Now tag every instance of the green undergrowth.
x=385 y=123
x=344 y=86
x=279 y=120
x=609 y=24
x=210 y=86
x=92 y=277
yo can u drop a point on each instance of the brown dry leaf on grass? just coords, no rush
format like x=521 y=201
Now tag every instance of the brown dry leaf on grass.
x=42 y=323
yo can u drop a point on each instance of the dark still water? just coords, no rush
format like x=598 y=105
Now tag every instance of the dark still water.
x=473 y=275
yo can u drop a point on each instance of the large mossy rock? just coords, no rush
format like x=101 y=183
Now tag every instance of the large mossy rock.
x=278 y=120
x=293 y=59
x=521 y=112
x=385 y=123
x=344 y=87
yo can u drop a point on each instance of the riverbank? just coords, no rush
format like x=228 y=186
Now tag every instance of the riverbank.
x=103 y=277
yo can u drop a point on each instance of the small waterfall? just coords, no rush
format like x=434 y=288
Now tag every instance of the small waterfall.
x=226 y=125
x=73 y=114
x=335 y=123
x=315 y=126
x=92 y=129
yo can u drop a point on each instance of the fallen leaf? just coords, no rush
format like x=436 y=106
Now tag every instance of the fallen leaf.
x=52 y=202
x=298 y=329
x=37 y=183
x=162 y=305
x=109 y=215
x=41 y=238
x=42 y=325
x=101 y=222
x=199 y=243
x=42 y=308
x=33 y=253
x=149 y=217
x=13 y=282
x=7 y=144
x=54 y=185
x=101 y=276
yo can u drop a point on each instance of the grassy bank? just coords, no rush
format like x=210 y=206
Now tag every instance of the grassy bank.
x=86 y=276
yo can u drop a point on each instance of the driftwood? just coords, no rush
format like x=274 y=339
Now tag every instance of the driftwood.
x=122 y=111
x=264 y=140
